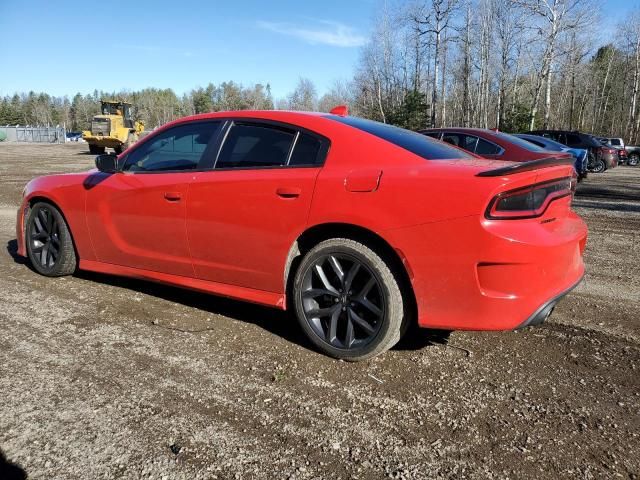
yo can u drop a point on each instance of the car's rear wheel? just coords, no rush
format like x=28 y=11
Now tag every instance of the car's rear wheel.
x=598 y=166
x=634 y=160
x=347 y=300
x=48 y=240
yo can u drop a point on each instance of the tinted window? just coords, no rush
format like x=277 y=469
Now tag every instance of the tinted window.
x=309 y=150
x=519 y=142
x=573 y=139
x=540 y=144
x=249 y=146
x=178 y=148
x=432 y=134
x=615 y=141
x=416 y=143
x=468 y=142
x=487 y=148
x=547 y=144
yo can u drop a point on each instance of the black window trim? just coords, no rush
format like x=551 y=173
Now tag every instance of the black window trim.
x=218 y=139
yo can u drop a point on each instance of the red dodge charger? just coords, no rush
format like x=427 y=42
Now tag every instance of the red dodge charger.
x=358 y=227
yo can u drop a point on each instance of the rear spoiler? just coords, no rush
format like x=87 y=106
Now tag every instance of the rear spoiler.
x=526 y=166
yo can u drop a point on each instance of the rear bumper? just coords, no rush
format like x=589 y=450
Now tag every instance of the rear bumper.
x=545 y=310
x=473 y=274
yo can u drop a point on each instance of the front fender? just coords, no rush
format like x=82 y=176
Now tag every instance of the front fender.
x=68 y=194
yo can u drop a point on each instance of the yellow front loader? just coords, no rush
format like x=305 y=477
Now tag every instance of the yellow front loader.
x=113 y=128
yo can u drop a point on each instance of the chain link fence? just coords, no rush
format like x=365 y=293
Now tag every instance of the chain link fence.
x=34 y=134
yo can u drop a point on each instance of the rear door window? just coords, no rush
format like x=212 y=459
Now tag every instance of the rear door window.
x=309 y=150
x=487 y=148
x=255 y=146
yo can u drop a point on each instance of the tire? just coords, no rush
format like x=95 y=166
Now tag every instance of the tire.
x=598 y=166
x=95 y=149
x=46 y=232
x=367 y=296
x=634 y=160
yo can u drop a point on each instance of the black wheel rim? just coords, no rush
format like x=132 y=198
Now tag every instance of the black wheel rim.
x=44 y=234
x=343 y=301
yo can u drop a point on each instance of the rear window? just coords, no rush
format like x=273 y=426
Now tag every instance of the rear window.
x=547 y=144
x=416 y=143
x=520 y=142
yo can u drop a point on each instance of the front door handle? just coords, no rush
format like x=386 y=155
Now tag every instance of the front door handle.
x=173 y=196
x=288 y=192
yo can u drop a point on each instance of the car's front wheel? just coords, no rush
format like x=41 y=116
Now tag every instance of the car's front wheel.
x=634 y=160
x=48 y=240
x=347 y=300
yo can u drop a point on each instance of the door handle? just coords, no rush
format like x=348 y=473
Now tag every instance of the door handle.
x=172 y=196
x=288 y=192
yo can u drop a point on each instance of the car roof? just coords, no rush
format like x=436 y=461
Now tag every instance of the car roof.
x=461 y=130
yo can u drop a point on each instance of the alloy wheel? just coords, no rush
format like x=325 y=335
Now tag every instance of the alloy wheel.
x=343 y=301
x=44 y=235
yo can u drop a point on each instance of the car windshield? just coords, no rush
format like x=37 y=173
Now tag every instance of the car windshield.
x=548 y=143
x=421 y=145
x=520 y=142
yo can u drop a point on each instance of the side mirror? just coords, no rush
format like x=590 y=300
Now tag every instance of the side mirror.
x=107 y=163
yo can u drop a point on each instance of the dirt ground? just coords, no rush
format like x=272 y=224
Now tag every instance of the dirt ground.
x=103 y=377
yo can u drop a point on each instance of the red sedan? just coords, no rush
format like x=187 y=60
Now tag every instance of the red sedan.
x=360 y=228
x=491 y=144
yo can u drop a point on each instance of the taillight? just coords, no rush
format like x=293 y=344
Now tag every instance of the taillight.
x=531 y=201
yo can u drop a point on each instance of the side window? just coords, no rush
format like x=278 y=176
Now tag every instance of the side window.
x=469 y=142
x=452 y=138
x=572 y=140
x=179 y=148
x=248 y=145
x=435 y=135
x=487 y=148
x=309 y=150
x=615 y=142
x=561 y=137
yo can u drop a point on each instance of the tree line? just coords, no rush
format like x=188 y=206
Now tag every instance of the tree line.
x=510 y=64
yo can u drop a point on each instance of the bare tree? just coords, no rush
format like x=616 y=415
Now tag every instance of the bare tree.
x=433 y=20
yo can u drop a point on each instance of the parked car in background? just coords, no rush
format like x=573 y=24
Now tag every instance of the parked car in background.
x=492 y=144
x=618 y=145
x=358 y=227
x=580 y=154
x=73 y=136
x=633 y=154
x=600 y=157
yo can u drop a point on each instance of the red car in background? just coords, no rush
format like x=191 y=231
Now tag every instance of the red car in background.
x=492 y=144
x=359 y=228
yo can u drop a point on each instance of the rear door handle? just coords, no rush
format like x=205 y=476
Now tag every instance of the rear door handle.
x=288 y=192
x=173 y=196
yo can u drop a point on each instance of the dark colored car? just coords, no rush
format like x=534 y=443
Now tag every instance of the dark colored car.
x=580 y=154
x=601 y=157
x=492 y=144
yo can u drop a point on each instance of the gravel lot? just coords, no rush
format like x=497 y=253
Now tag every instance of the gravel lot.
x=103 y=377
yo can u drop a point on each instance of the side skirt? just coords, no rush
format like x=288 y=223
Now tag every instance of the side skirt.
x=261 y=297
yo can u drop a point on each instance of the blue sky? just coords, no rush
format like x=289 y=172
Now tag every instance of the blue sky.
x=66 y=47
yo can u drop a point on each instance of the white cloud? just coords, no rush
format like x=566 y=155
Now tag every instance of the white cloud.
x=328 y=33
